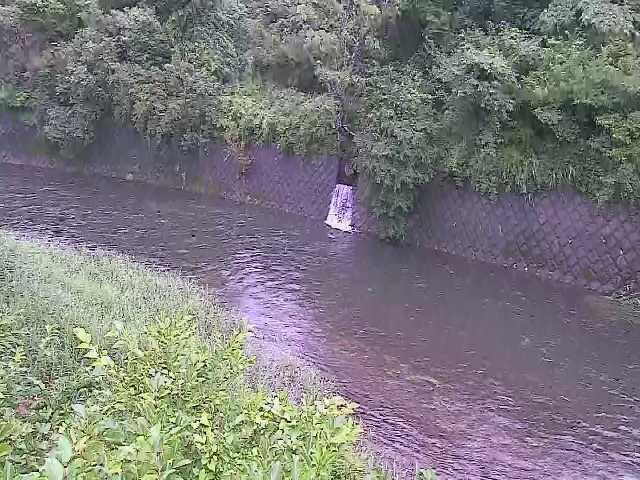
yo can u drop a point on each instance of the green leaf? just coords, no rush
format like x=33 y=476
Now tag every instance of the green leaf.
x=156 y=436
x=204 y=419
x=8 y=471
x=182 y=463
x=64 y=451
x=114 y=436
x=427 y=475
x=5 y=449
x=43 y=428
x=5 y=430
x=92 y=354
x=82 y=335
x=53 y=469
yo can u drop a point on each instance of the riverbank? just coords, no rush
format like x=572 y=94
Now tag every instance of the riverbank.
x=109 y=367
x=450 y=361
x=560 y=235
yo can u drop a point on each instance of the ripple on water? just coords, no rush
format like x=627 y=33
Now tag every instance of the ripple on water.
x=478 y=371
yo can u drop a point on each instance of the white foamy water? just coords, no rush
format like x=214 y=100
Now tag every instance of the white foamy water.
x=341 y=209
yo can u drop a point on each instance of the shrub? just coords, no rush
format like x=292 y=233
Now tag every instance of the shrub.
x=12 y=98
x=396 y=143
x=298 y=123
x=109 y=370
x=75 y=90
x=174 y=103
x=505 y=95
x=505 y=112
x=55 y=18
x=161 y=402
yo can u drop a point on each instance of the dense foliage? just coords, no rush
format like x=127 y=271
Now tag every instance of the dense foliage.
x=108 y=370
x=512 y=96
x=505 y=94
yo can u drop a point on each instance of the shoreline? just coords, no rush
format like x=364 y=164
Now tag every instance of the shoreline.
x=625 y=297
x=272 y=372
x=558 y=235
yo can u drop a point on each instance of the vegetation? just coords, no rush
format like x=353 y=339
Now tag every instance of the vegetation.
x=507 y=95
x=108 y=370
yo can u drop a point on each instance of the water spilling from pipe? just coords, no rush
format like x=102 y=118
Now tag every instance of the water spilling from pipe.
x=341 y=209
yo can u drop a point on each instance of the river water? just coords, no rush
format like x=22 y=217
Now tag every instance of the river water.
x=478 y=371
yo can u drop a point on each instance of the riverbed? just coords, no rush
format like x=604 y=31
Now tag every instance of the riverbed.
x=476 y=370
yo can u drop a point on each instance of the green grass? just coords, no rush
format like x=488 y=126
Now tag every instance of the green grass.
x=111 y=370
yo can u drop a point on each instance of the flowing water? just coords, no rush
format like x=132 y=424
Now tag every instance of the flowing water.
x=341 y=208
x=480 y=372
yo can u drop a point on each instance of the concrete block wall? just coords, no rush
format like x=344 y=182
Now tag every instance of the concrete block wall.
x=560 y=235
x=302 y=186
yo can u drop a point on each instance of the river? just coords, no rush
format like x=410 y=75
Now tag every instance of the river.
x=475 y=370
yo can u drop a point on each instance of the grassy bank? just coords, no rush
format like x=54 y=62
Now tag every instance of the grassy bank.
x=109 y=370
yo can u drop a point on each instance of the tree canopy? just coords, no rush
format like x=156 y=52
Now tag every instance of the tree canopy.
x=509 y=95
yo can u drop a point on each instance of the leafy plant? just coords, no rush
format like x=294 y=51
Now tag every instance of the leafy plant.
x=505 y=95
x=396 y=143
x=13 y=99
x=55 y=18
x=108 y=380
x=298 y=123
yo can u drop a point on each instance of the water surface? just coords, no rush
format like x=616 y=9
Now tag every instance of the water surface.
x=478 y=371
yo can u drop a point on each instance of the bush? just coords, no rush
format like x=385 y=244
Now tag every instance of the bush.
x=160 y=402
x=289 y=39
x=396 y=143
x=505 y=95
x=76 y=89
x=503 y=111
x=55 y=18
x=13 y=99
x=171 y=104
x=109 y=370
x=170 y=87
x=298 y=123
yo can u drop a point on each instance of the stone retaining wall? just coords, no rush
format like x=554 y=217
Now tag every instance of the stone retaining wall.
x=261 y=175
x=559 y=235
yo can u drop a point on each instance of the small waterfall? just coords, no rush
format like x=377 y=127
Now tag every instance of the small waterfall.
x=341 y=209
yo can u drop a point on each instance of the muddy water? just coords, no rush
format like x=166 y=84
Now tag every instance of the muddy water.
x=480 y=372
